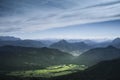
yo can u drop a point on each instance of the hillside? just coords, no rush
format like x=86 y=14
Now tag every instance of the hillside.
x=96 y=55
x=106 y=70
x=116 y=42
x=13 y=57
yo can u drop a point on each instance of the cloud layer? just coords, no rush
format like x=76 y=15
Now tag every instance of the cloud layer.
x=35 y=15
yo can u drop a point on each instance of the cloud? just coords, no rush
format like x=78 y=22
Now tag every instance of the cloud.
x=28 y=15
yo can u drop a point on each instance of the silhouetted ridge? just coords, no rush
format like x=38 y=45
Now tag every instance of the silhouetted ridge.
x=96 y=55
x=105 y=70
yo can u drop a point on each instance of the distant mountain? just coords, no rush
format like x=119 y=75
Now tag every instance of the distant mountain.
x=63 y=45
x=96 y=55
x=48 y=42
x=8 y=38
x=102 y=44
x=116 y=42
x=81 y=40
x=13 y=57
x=24 y=43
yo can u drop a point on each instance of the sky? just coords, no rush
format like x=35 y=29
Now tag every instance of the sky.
x=61 y=19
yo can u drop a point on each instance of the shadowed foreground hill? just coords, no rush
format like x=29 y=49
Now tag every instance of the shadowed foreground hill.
x=106 y=70
x=96 y=55
x=13 y=57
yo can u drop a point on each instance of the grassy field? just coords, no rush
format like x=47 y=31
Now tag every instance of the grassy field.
x=51 y=71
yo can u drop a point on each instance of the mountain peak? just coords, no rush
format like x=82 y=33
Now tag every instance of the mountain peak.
x=63 y=41
x=116 y=42
x=116 y=39
x=110 y=46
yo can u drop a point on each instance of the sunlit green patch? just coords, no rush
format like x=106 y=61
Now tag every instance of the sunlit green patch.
x=51 y=71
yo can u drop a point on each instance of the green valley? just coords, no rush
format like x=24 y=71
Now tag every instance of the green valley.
x=51 y=71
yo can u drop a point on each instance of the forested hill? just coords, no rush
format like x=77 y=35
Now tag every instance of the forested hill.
x=15 y=57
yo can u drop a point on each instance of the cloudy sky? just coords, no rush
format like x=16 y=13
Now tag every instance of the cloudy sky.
x=38 y=19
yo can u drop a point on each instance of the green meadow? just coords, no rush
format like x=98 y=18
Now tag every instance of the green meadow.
x=51 y=71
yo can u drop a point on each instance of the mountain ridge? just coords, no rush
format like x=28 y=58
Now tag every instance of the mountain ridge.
x=17 y=57
x=96 y=55
x=63 y=45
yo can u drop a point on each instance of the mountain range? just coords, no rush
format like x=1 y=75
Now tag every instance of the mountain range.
x=23 y=43
x=71 y=45
x=76 y=47
x=28 y=57
x=8 y=38
x=102 y=59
